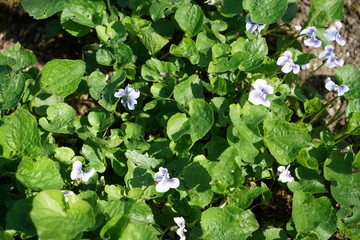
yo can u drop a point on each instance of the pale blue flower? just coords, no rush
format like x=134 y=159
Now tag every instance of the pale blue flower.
x=331 y=86
x=67 y=194
x=164 y=183
x=252 y=27
x=333 y=34
x=258 y=95
x=287 y=63
x=285 y=175
x=128 y=96
x=329 y=55
x=305 y=67
x=312 y=41
x=180 y=221
x=78 y=174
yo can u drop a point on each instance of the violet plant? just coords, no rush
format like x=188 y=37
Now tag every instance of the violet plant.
x=212 y=91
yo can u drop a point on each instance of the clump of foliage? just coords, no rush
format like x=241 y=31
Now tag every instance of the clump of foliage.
x=201 y=126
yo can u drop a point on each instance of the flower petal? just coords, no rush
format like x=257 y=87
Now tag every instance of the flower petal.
x=287 y=67
x=251 y=27
x=282 y=60
x=330 y=33
x=268 y=89
x=87 y=175
x=259 y=84
x=260 y=27
x=181 y=233
x=288 y=54
x=131 y=103
x=255 y=97
x=330 y=85
x=342 y=90
x=281 y=168
x=340 y=40
x=160 y=174
x=338 y=61
x=173 y=183
x=124 y=101
x=295 y=68
x=180 y=221
x=308 y=31
x=76 y=172
x=134 y=94
x=119 y=93
x=338 y=25
x=162 y=186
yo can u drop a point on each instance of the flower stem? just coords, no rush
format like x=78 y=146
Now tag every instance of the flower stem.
x=321 y=111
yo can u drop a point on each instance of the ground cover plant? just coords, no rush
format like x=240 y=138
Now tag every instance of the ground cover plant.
x=199 y=126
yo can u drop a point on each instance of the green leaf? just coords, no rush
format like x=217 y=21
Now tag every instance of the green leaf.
x=200 y=121
x=97 y=82
x=223 y=60
x=186 y=48
x=313 y=214
x=22 y=134
x=64 y=155
x=87 y=13
x=306 y=160
x=52 y=216
x=42 y=174
x=143 y=160
x=160 y=9
x=251 y=53
x=134 y=137
x=60 y=113
x=285 y=140
x=153 y=41
x=231 y=8
x=265 y=11
x=95 y=156
x=153 y=68
x=11 y=89
x=100 y=119
x=163 y=89
x=323 y=12
x=40 y=9
x=310 y=181
x=228 y=223
x=188 y=89
x=18 y=218
x=349 y=75
x=242 y=197
x=22 y=57
x=313 y=106
x=347 y=191
x=190 y=18
x=62 y=76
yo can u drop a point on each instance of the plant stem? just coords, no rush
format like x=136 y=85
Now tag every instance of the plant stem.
x=336 y=116
x=321 y=111
x=311 y=73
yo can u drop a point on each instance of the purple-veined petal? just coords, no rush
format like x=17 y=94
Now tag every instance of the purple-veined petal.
x=128 y=90
x=160 y=174
x=251 y=27
x=330 y=85
x=131 y=103
x=124 y=101
x=181 y=233
x=329 y=48
x=87 y=175
x=162 y=186
x=338 y=25
x=330 y=62
x=287 y=67
x=119 y=93
x=173 y=183
x=340 y=40
x=317 y=43
x=180 y=221
x=255 y=97
x=265 y=102
x=268 y=89
x=342 y=90
x=338 y=61
x=326 y=53
x=312 y=42
x=295 y=68
x=330 y=33
x=76 y=172
x=288 y=55
x=285 y=177
x=260 y=27
x=134 y=94
x=282 y=60
x=259 y=84
x=305 y=67
x=308 y=31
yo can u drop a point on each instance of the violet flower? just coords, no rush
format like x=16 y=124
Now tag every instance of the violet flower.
x=252 y=27
x=285 y=174
x=164 y=183
x=128 y=96
x=78 y=174
x=312 y=41
x=287 y=63
x=333 y=34
x=329 y=56
x=180 y=221
x=258 y=94
x=331 y=86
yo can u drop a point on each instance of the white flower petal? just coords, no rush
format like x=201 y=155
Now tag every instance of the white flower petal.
x=342 y=90
x=162 y=186
x=180 y=221
x=340 y=40
x=295 y=68
x=87 y=175
x=281 y=168
x=173 y=183
x=287 y=67
x=259 y=84
x=119 y=93
x=330 y=34
x=255 y=97
x=288 y=54
x=181 y=233
x=76 y=172
x=282 y=60
x=338 y=25
x=308 y=31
